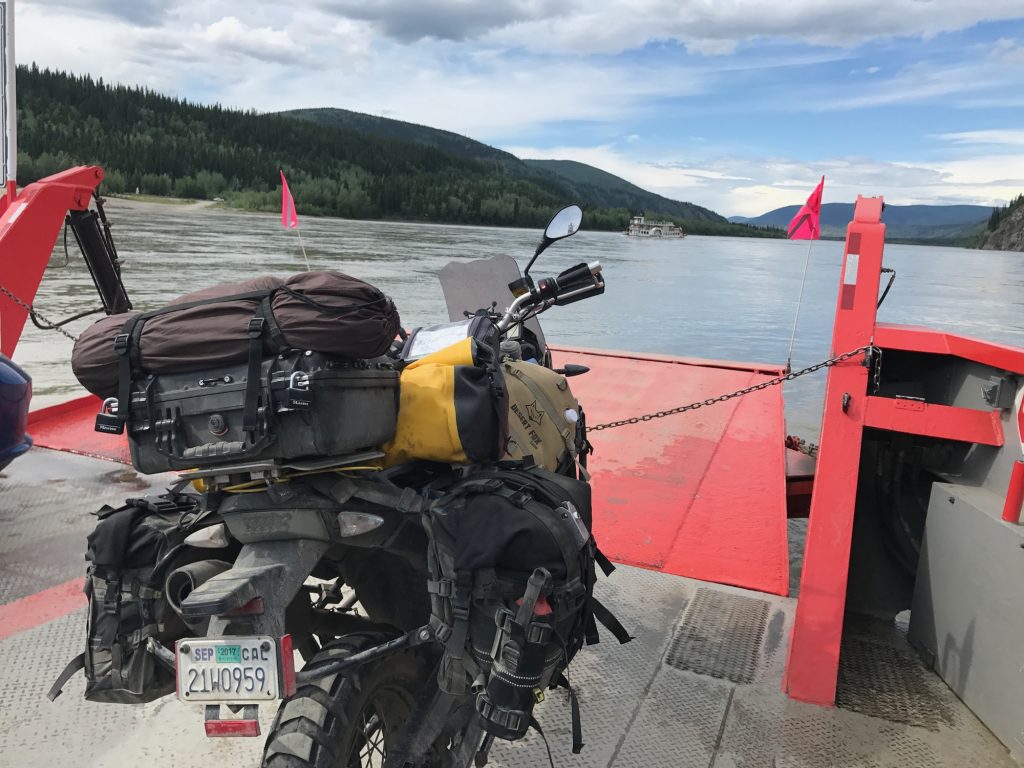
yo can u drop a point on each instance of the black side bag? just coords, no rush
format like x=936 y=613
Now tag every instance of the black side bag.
x=130 y=552
x=512 y=565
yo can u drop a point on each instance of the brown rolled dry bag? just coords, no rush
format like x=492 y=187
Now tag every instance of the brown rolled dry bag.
x=327 y=312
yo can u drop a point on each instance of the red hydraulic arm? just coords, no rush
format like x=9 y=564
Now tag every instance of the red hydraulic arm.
x=29 y=225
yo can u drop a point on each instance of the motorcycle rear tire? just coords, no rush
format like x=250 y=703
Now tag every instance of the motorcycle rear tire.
x=330 y=723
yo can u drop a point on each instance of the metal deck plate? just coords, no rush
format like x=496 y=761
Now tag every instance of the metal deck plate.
x=638 y=710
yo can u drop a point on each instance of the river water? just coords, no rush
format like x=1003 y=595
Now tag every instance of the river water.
x=713 y=297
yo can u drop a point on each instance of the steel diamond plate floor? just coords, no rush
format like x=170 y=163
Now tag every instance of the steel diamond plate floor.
x=699 y=686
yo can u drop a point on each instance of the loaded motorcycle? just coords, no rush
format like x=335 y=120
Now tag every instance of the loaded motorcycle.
x=414 y=524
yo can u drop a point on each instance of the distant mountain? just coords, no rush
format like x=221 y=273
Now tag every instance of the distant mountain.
x=608 y=190
x=902 y=222
x=582 y=182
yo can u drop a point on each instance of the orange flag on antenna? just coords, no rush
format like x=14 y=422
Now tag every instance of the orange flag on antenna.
x=289 y=219
x=805 y=225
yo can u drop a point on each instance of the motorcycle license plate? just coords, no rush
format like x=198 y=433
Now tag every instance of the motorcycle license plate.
x=228 y=669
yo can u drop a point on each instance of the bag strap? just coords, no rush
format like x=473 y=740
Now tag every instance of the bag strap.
x=254 y=376
x=611 y=623
x=73 y=666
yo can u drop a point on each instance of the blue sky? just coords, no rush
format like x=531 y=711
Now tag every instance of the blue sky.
x=739 y=105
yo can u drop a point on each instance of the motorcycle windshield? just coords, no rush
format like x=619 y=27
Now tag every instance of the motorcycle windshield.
x=472 y=285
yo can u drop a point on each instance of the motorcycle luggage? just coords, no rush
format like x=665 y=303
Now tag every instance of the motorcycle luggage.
x=512 y=566
x=130 y=553
x=327 y=312
x=305 y=404
x=454 y=408
x=543 y=415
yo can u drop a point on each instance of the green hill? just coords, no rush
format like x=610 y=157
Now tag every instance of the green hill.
x=583 y=182
x=338 y=163
x=608 y=190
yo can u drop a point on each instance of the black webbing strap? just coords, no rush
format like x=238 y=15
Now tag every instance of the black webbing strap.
x=574 y=706
x=73 y=666
x=253 y=377
x=612 y=624
x=455 y=648
x=605 y=564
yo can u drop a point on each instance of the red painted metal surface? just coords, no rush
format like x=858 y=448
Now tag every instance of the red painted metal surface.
x=915 y=417
x=1014 y=494
x=28 y=230
x=914 y=339
x=70 y=427
x=666 y=495
x=49 y=604
x=813 y=662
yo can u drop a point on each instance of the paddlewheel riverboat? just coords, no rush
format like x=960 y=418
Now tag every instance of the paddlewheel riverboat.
x=640 y=227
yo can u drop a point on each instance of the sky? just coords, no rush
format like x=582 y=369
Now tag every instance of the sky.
x=737 y=105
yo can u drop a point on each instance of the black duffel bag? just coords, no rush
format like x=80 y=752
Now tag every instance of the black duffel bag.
x=327 y=312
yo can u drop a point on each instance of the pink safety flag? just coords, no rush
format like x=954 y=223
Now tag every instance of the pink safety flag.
x=805 y=225
x=289 y=219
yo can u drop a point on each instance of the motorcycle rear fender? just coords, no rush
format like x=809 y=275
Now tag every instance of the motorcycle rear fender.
x=271 y=571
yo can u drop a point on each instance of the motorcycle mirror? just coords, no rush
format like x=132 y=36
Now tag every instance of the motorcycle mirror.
x=565 y=223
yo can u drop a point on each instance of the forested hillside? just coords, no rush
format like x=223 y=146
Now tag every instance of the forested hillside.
x=1005 y=231
x=360 y=167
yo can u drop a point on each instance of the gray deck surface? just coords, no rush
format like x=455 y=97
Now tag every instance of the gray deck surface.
x=699 y=686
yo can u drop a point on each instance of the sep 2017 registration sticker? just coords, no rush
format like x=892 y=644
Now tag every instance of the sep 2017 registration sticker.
x=231 y=669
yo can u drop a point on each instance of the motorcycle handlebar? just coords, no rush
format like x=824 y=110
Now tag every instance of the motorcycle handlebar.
x=574 y=284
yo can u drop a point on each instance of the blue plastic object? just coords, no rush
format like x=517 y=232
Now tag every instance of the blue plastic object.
x=15 y=395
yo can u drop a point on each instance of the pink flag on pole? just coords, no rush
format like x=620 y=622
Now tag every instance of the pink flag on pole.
x=289 y=219
x=805 y=225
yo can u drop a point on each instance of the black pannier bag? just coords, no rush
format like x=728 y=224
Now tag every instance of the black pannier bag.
x=130 y=554
x=512 y=566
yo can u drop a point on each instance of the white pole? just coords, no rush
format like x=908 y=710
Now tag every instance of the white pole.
x=9 y=92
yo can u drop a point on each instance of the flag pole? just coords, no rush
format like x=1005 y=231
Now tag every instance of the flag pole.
x=799 y=303
x=303 y=247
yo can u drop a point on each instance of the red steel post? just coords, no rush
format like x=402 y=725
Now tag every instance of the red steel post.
x=813 y=662
x=1014 y=494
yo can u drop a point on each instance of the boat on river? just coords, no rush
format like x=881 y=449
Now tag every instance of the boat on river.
x=640 y=227
x=889 y=636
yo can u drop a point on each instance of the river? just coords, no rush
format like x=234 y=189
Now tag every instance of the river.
x=713 y=297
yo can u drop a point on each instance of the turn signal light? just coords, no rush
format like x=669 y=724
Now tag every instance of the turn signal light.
x=211 y=537
x=358 y=523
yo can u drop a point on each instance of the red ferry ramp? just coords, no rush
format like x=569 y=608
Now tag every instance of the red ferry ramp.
x=666 y=490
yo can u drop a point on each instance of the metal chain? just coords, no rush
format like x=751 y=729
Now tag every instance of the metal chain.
x=739 y=393
x=36 y=316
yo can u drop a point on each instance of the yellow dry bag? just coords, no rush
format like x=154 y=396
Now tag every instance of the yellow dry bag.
x=453 y=408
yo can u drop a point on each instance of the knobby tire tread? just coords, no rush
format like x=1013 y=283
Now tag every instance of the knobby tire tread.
x=331 y=693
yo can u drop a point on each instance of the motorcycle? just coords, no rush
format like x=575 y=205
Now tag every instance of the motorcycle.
x=332 y=563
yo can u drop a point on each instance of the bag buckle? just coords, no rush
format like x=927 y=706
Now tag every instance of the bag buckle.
x=256 y=327
x=121 y=344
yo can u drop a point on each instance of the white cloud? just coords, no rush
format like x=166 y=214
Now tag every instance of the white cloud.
x=1001 y=137
x=714 y=28
x=749 y=186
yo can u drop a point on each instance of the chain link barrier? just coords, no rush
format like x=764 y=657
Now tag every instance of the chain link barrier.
x=738 y=393
x=37 y=318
